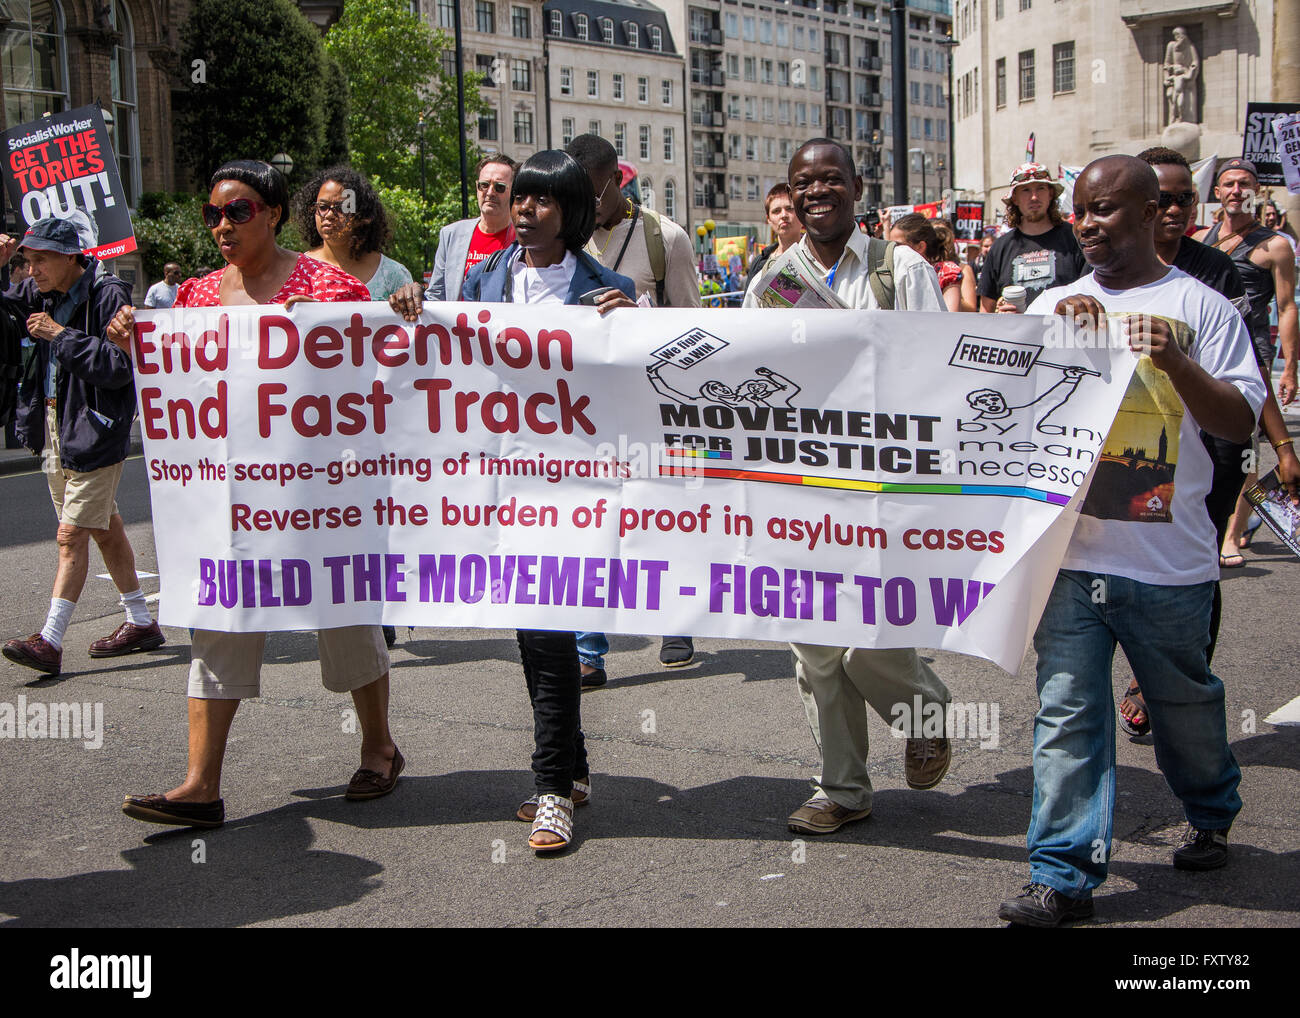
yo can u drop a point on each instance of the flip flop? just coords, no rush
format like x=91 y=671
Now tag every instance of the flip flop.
x=1249 y=534
x=1134 y=697
x=1231 y=561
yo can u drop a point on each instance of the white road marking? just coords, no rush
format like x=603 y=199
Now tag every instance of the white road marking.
x=1288 y=714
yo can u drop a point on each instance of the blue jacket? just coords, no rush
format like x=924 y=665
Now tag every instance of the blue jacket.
x=487 y=280
x=95 y=384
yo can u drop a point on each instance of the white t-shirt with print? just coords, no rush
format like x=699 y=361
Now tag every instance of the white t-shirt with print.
x=1144 y=517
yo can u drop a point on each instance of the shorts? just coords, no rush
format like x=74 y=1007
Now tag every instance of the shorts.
x=1265 y=349
x=80 y=500
x=228 y=666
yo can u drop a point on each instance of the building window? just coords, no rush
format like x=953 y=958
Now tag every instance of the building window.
x=929 y=94
x=751 y=65
x=798 y=37
x=815 y=115
x=915 y=126
x=767 y=109
x=593 y=84
x=1026 y=75
x=769 y=150
x=815 y=78
x=521 y=75
x=765 y=31
x=520 y=24
x=643 y=141
x=801 y=114
x=557 y=22
x=483 y=65
x=447 y=14
x=999 y=9
x=734 y=146
x=929 y=129
x=670 y=198
x=751 y=188
x=487 y=125
x=643 y=90
x=751 y=148
x=783 y=111
x=485 y=16
x=620 y=140
x=731 y=24
x=566 y=81
x=449 y=63
x=812 y=39
x=747 y=26
x=647 y=192
x=751 y=104
x=633 y=33
x=657 y=44
x=523 y=128
x=618 y=87
x=35 y=69
x=593 y=127
x=566 y=131
x=783 y=73
x=733 y=187
x=782 y=34
x=733 y=65
x=733 y=106
x=1063 y=67
x=1026 y=4
x=668 y=145
x=768 y=72
x=580 y=26
x=1000 y=83
x=607 y=31
x=666 y=91
x=915 y=88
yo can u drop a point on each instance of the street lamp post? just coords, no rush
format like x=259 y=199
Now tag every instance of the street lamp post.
x=424 y=201
x=460 y=119
x=949 y=44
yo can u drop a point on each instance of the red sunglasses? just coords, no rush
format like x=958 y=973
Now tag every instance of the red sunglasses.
x=240 y=210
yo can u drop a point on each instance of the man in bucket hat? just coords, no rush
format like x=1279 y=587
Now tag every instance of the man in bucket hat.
x=76 y=405
x=1039 y=251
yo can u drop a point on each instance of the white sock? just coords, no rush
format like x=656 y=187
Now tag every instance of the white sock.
x=56 y=623
x=137 y=612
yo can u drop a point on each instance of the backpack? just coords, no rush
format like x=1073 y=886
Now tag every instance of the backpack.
x=880 y=270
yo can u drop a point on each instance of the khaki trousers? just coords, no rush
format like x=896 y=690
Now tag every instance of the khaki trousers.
x=835 y=684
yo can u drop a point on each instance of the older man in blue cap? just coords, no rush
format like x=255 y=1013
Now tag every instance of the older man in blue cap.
x=76 y=405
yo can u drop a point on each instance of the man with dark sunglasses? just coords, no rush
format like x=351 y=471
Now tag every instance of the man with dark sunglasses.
x=463 y=244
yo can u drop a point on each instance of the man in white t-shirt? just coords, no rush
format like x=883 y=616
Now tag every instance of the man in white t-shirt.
x=163 y=293
x=837 y=683
x=1140 y=567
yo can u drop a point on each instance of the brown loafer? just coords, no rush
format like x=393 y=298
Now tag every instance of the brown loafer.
x=367 y=784
x=128 y=638
x=158 y=809
x=819 y=815
x=35 y=652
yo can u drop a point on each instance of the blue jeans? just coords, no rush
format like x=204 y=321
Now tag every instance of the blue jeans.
x=592 y=648
x=1164 y=632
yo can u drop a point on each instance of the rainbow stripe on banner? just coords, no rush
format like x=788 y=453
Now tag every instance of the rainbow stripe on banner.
x=712 y=454
x=807 y=480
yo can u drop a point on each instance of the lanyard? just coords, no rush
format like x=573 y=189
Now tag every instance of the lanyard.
x=830 y=276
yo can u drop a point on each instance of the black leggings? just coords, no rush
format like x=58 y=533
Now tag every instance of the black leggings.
x=555 y=690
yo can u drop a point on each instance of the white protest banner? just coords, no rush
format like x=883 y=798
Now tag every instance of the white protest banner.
x=853 y=478
x=1286 y=130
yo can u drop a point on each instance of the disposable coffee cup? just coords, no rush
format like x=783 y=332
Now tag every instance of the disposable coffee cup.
x=1018 y=296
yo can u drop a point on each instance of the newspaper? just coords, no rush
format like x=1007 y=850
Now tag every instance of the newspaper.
x=1275 y=508
x=795 y=282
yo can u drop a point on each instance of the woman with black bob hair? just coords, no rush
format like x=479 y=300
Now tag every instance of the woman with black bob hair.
x=553 y=207
x=344 y=224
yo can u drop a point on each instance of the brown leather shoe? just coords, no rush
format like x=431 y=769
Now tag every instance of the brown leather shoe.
x=819 y=815
x=158 y=809
x=367 y=784
x=128 y=639
x=926 y=762
x=35 y=652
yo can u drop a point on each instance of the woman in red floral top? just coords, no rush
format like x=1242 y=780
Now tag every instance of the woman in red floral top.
x=248 y=205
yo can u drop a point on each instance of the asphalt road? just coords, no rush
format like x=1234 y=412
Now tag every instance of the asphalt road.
x=695 y=771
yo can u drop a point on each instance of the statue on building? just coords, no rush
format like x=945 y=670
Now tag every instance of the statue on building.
x=1182 y=67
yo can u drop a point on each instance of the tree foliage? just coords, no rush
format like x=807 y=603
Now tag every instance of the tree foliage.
x=169 y=228
x=257 y=85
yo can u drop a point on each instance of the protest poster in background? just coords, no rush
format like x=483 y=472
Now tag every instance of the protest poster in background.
x=969 y=224
x=63 y=166
x=1259 y=144
x=889 y=479
x=1286 y=132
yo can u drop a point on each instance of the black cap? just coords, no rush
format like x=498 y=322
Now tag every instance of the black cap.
x=50 y=234
x=1236 y=164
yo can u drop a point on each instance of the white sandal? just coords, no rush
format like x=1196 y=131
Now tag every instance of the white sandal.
x=554 y=816
x=581 y=795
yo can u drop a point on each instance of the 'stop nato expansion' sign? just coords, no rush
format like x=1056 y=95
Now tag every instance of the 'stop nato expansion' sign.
x=1259 y=144
x=63 y=166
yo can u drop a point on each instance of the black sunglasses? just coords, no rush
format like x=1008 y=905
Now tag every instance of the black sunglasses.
x=240 y=210
x=1183 y=199
x=495 y=185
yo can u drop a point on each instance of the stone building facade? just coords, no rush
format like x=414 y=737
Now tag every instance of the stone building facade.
x=1094 y=77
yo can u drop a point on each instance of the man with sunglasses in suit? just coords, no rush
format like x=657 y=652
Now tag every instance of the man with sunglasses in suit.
x=464 y=244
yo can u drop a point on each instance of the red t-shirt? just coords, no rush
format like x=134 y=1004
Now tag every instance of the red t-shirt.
x=483 y=244
x=949 y=273
x=309 y=277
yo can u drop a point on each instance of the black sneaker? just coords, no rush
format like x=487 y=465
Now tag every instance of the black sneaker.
x=390 y=636
x=1045 y=907
x=676 y=651
x=1202 y=850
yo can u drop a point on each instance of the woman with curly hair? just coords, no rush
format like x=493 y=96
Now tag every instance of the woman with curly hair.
x=344 y=224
